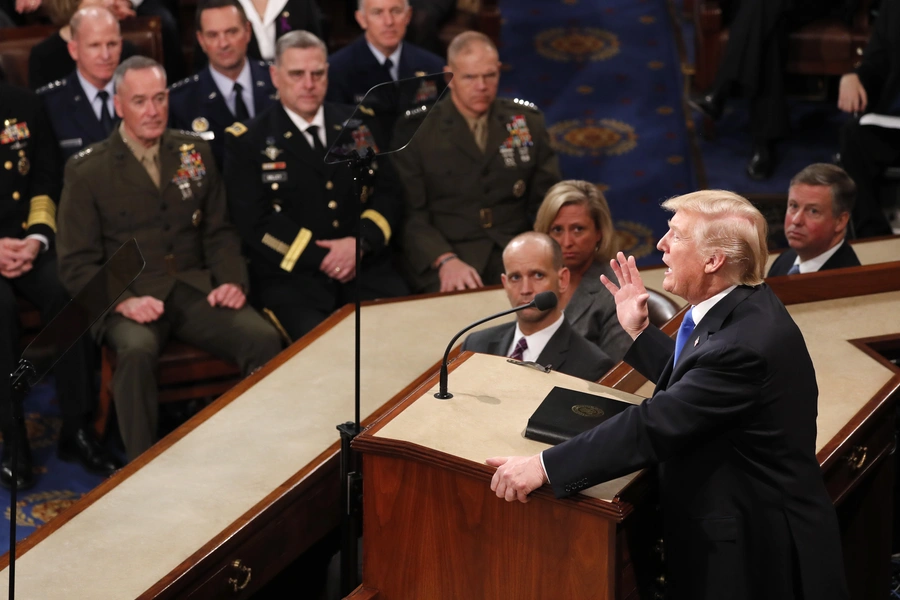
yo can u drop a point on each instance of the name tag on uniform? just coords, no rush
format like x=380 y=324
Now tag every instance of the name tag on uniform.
x=270 y=177
x=206 y=135
x=70 y=143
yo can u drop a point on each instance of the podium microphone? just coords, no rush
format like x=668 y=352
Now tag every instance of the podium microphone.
x=543 y=301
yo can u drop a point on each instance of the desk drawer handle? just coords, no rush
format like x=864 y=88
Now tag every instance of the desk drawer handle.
x=857 y=457
x=241 y=569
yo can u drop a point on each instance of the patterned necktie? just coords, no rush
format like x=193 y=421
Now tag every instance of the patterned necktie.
x=240 y=109
x=388 y=64
x=106 y=120
x=794 y=270
x=313 y=130
x=519 y=351
x=684 y=332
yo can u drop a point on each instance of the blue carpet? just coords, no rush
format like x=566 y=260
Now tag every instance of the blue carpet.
x=606 y=74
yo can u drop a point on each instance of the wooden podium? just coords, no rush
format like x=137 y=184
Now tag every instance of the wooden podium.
x=433 y=529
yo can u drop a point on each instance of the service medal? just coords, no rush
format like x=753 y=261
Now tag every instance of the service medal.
x=24 y=166
x=200 y=124
x=519 y=188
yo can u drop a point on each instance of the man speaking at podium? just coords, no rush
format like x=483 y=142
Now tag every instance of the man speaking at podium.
x=731 y=424
x=533 y=263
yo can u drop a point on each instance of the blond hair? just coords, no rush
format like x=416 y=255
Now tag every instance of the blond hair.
x=463 y=42
x=731 y=225
x=579 y=193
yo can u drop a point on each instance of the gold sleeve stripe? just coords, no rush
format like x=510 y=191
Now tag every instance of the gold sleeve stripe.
x=296 y=249
x=275 y=244
x=383 y=225
x=237 y=130
x=42 y=212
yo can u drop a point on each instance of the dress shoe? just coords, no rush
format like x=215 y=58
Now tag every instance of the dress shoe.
x=25 y=473
x=762 y=162
x=711 y=104
x=83 y=447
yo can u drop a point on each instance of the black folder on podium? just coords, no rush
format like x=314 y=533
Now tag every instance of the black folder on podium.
x=565 y=413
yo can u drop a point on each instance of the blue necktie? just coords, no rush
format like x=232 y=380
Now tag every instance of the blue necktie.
x=684 y=332
x=794 y=270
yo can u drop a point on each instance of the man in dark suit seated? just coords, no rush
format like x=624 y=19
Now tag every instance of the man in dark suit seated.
x=820 y=201
x=162 y=188
x=29 y=188
x=731 y=424
x=380 y=55
x=230 y=87
x=533 y=263
x=298 y=215
x=80 y=106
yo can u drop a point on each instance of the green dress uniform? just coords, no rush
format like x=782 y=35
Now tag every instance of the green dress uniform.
x=462 y=200
x=189 y=246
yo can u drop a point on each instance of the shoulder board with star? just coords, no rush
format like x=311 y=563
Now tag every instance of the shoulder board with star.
x=86 y=152
x=520 y=103
x=237 y=130
x=59 y=83
x=263 y=63
x=191 y=134
x=184 y=82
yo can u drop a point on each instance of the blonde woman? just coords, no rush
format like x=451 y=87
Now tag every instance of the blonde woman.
x=575 y=214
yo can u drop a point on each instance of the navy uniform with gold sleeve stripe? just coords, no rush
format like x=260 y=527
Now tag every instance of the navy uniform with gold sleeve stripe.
x=283 y=198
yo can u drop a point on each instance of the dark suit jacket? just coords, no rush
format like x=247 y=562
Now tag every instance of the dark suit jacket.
x=283 y=203
x=50 y=60
x=29 y=166
x=197 y=98
x=733 y=430
x=465 y=201
x=109 y=199
x=844 y=257
x=353 y=70
x=592 y=313
x=879 y=70
x=74 y=123
x=566 y=352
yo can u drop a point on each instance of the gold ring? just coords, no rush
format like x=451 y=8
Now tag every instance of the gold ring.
x=337 y=269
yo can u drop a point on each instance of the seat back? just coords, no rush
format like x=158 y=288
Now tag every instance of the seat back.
x=661 y=307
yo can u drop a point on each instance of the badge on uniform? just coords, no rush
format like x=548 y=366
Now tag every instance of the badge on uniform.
x=197 y=217
x=200 y=124
x=519 y=138
x=519 y=188
x=274 y=166
x=13 y=131
x=279 y=176
x=191 y=168
x=272 y=152
x=24 y=166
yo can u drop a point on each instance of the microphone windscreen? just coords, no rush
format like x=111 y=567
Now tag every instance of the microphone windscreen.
x=545 y=301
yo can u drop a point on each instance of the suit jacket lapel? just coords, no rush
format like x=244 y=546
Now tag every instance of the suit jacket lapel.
x=263 y=92
x=134 y=175
x=169 y=160
x=83 y=113
x=583 y=298
x=453 y=127
x=497 y=134
x=292 y=139
x=554 y=353
x=214 y=102
x=499 y=346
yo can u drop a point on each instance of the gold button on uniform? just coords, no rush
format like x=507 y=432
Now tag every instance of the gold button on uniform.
x=16 y=195
x=329 y=186
x=335 y=224
x=8 y=165
x=332 y=205
x=21 y=153
x=274 y=186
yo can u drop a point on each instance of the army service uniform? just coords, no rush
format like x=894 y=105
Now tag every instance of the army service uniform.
x=283 y=197
x=472 y=203
x=189 y=246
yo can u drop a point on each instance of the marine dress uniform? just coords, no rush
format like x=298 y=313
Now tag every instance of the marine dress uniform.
x=283 y=197
x=467 y=201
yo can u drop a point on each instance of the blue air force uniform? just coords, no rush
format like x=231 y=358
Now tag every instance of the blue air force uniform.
x=353 y=70
x=196 y=104
x=75 y=124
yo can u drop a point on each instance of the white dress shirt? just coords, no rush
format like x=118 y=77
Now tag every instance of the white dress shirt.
x=537 y=341
x=226 y=88
x=395 y=59
x=92 y=96
x=302 y=124
x=814 y=264
x=264 y=27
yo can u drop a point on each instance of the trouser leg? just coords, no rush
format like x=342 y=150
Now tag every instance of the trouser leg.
x=865 y=152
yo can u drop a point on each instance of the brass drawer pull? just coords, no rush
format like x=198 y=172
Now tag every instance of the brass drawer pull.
x=241 y=569
x=857 y=457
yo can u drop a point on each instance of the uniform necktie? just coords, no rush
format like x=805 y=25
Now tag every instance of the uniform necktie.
x=479 y=131
x=240 y=109
x=151 y=166
x=106 y=120
x=313 y=130
x=684 y=332
x=794 y=270
x=388 y=64
x=519 y=351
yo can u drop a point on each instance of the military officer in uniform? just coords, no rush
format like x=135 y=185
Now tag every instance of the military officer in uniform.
x=230 y=87
x=474 y=174
x=380 y=55
x=29 y=187
x=80 y=106
x=162 y=188
x=296 y=214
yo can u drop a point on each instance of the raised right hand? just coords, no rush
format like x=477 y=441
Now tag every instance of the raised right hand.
x=141 y=309
x=631 y=295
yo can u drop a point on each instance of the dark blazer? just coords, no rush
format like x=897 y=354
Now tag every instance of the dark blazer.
x=844 y=257
x=284 y=201
x=49 y=60
x=109 y=199
x=29 y=166
x=592 y=313
x=879 y=70
x=566 y=351
x=462 y=200
x=353 y=70
x=74 y=123
x=733 y=430
x=195 y=104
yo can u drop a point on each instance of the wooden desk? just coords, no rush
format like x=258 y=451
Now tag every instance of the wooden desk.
x=253 y=478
